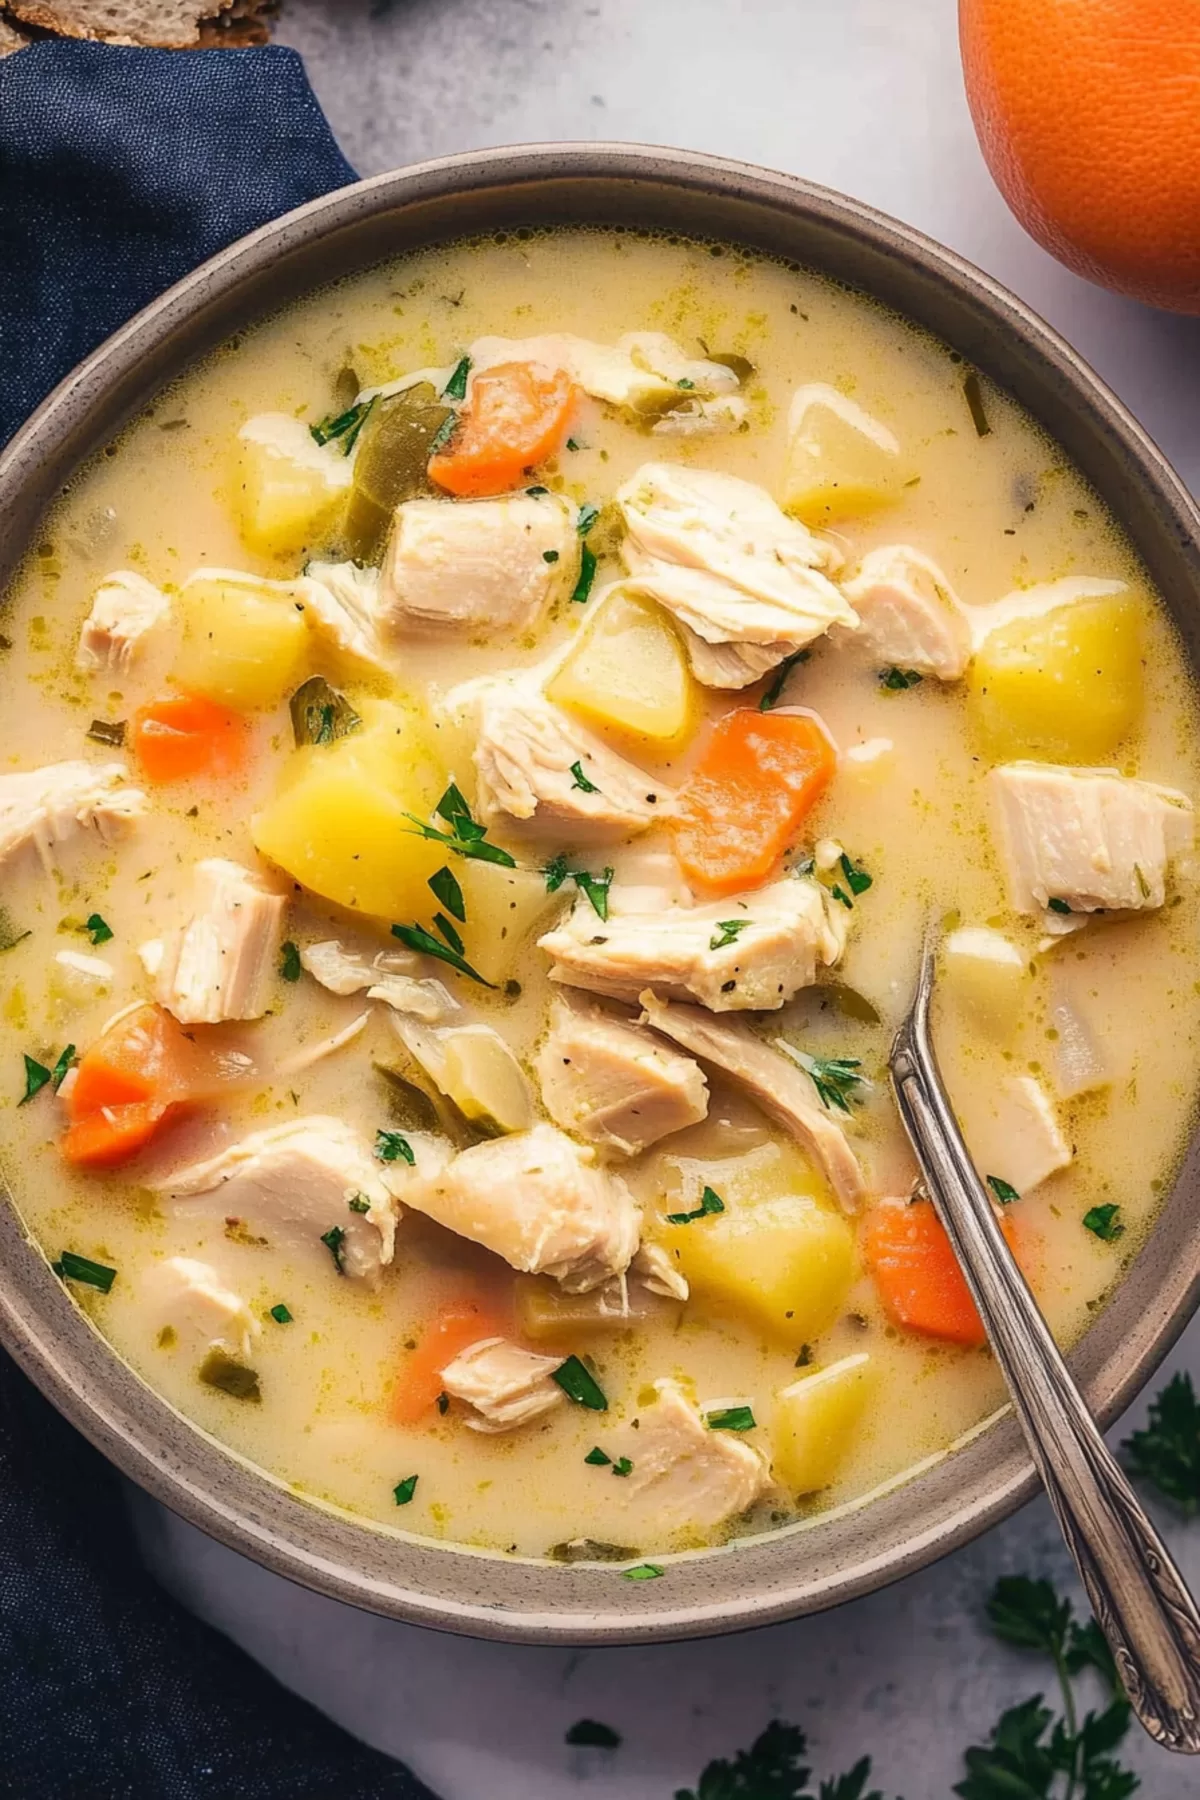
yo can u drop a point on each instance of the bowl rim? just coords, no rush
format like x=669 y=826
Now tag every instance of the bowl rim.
x=753 y=1581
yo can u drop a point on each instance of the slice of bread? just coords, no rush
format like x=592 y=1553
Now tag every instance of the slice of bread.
x=11 y=39
x=244 y=22
x=163 y=24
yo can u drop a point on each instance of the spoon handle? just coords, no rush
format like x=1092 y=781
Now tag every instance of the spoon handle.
x=1139 y=1598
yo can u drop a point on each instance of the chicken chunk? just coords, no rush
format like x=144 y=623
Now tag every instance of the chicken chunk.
x=911 y=617
x=477 y=565
x=644 y=373
x=541 y=768
x=607 y=1081
x=124 y=608
x=782 y=1089
x=501 y=1385
x=220 y=965
x=693 y=1476
x=45 y=808
x=537 y=1200
x=302 y=1185
x=1090 y=840
x=647 y=877
x=788 y=929
x=386 y=976
x=189 y=1299
x=342 y=603
x=743 y=580
x=1013 y=1132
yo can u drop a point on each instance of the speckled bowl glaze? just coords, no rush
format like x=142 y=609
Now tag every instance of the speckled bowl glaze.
x=832 y=1558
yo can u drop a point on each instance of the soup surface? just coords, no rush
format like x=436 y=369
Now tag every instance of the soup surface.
x=465 y=852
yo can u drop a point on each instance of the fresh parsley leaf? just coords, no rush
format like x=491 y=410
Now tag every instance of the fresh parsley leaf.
x=643 y=1572
x=727 y=932
x=415 y=937
x=1058 y=906
x=1004 y=1191
x=404 y=1490
x=579 y=780
x=393 y=1146
x=556 y=872
x=836 y=1078
x=685 y=381
x=71 y=1267
x=443 y=434
x=58 y=1073
x=1104 y=1222
x=470 y=844
x=594 y=1735
x=772 y=695
x=1030 y=1615
x=596 y=888
x=598 y=1458
x=98 y=929
x=456 y=387
x=334 y=1240
x=290 y=966
x=588 y=514
x=446 y=889
x=579 y=1385
x=345 y=426
x=107 y=731
x=587 y=575
x=772 y=1769
x=857 y=879
x=839 y=894
x=710 y=1202
x=36 y=1077
x=281 y=1314
x=449 y=932
x=1166 y=1451
x=731 y=1418
x=622 y=1466
x=896 y=680
x=358 y=1203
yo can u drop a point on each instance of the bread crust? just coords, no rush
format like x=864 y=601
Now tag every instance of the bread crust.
x=154 y=24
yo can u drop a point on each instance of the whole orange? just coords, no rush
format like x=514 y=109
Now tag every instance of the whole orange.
x=1088 y=113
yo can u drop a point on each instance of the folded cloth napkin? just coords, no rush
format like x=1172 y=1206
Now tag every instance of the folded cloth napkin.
x=120 y=170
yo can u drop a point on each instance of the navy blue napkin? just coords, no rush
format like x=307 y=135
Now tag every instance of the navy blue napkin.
x=120 y=170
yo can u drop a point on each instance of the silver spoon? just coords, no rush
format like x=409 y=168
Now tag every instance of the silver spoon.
x=1137 y=1594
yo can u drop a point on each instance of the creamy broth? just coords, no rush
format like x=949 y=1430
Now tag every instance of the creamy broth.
x=911 y=804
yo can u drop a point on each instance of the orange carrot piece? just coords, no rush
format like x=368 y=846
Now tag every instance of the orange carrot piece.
x=917 y=1274
x=184 y=735
x=460 y=1323
x=101 y=1140
x=758 y=778
x=518 y=416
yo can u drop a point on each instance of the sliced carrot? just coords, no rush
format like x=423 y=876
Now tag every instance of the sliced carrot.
x=758 y=778
x=460 y=1323
x=101 y=1140
x=185 y=735
x=917 y=1274
x=518 y=416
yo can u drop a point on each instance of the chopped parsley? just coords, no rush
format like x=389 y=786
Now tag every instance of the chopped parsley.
x=579 y=1385
x=596 y=888
x=857 y=879
x=772 y=695
x=37 y=1075
x=587 y=574
x=58 y=1073
x=393 y=1146
x=588 y=514
x=896 y=680
x=556 y=872
x=71 y=1267
x=344 y=427
x=685 y=381
x=804 y=1357
x=333 y=1240
x=358 y=1203
x=290 y=966
x=449 y=932
x=973 y=395
x=622 y=1466
x=415 y=937
x=466 y=837
x=592 y=1734
x=1104 y=1222
x=98 y=929
x=710 y=1203
x=727 y=932
x=836 y=1078
x=1167 y=1450
x=598 y=1458
x=442 y=435
x=731 y=1418
x=281 y=1314
x=404 y=1490
x=456 y=387
x=579 y=780
x=1058 y=906
x=643 y=1572
x=107 y=731
x=1004 y=1191
x=222 y=1371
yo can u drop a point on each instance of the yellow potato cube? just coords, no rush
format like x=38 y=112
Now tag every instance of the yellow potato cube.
x=1067 y=684
x=627 y=672
x=338 y=823
x=503 y=906
x=484 y=1079
x=988 y=977
x=244 y=645
x=816 y=1419
x=841 y=463
x=289 y=488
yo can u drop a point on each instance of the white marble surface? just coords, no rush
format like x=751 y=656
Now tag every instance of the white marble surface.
x=864 y=95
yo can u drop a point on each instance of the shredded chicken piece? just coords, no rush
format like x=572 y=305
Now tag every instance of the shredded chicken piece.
x=1013 y=1132
x=611 y=1083
x=789 y=929
x=781 y=1088
x=477 y=565
x=386 y=976
x=125 y=608
x=48 y=807
x=910 y=615
x=658 y=1274
x=190 y=1299
x=221 y=964
x=342 y=602
x=502 y=1386
x=645 y=373
x=324 y=1047
x=742 y=579
x=537 y=1200
x=693 y=1475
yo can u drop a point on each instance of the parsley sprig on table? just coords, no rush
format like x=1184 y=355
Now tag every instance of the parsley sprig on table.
x=773 y=1768
x=1167 y=1451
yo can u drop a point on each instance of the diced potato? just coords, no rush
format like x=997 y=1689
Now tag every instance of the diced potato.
x=841 y=463
x=987 y=975
x=815 y=1421
x=1067 y=685
x=627 y=673
x=502 y=907
x=781 y=1257
x=484 y=1079
x=338 y=823
x=290 y=488
x=548 y=1315
x=243 y=646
